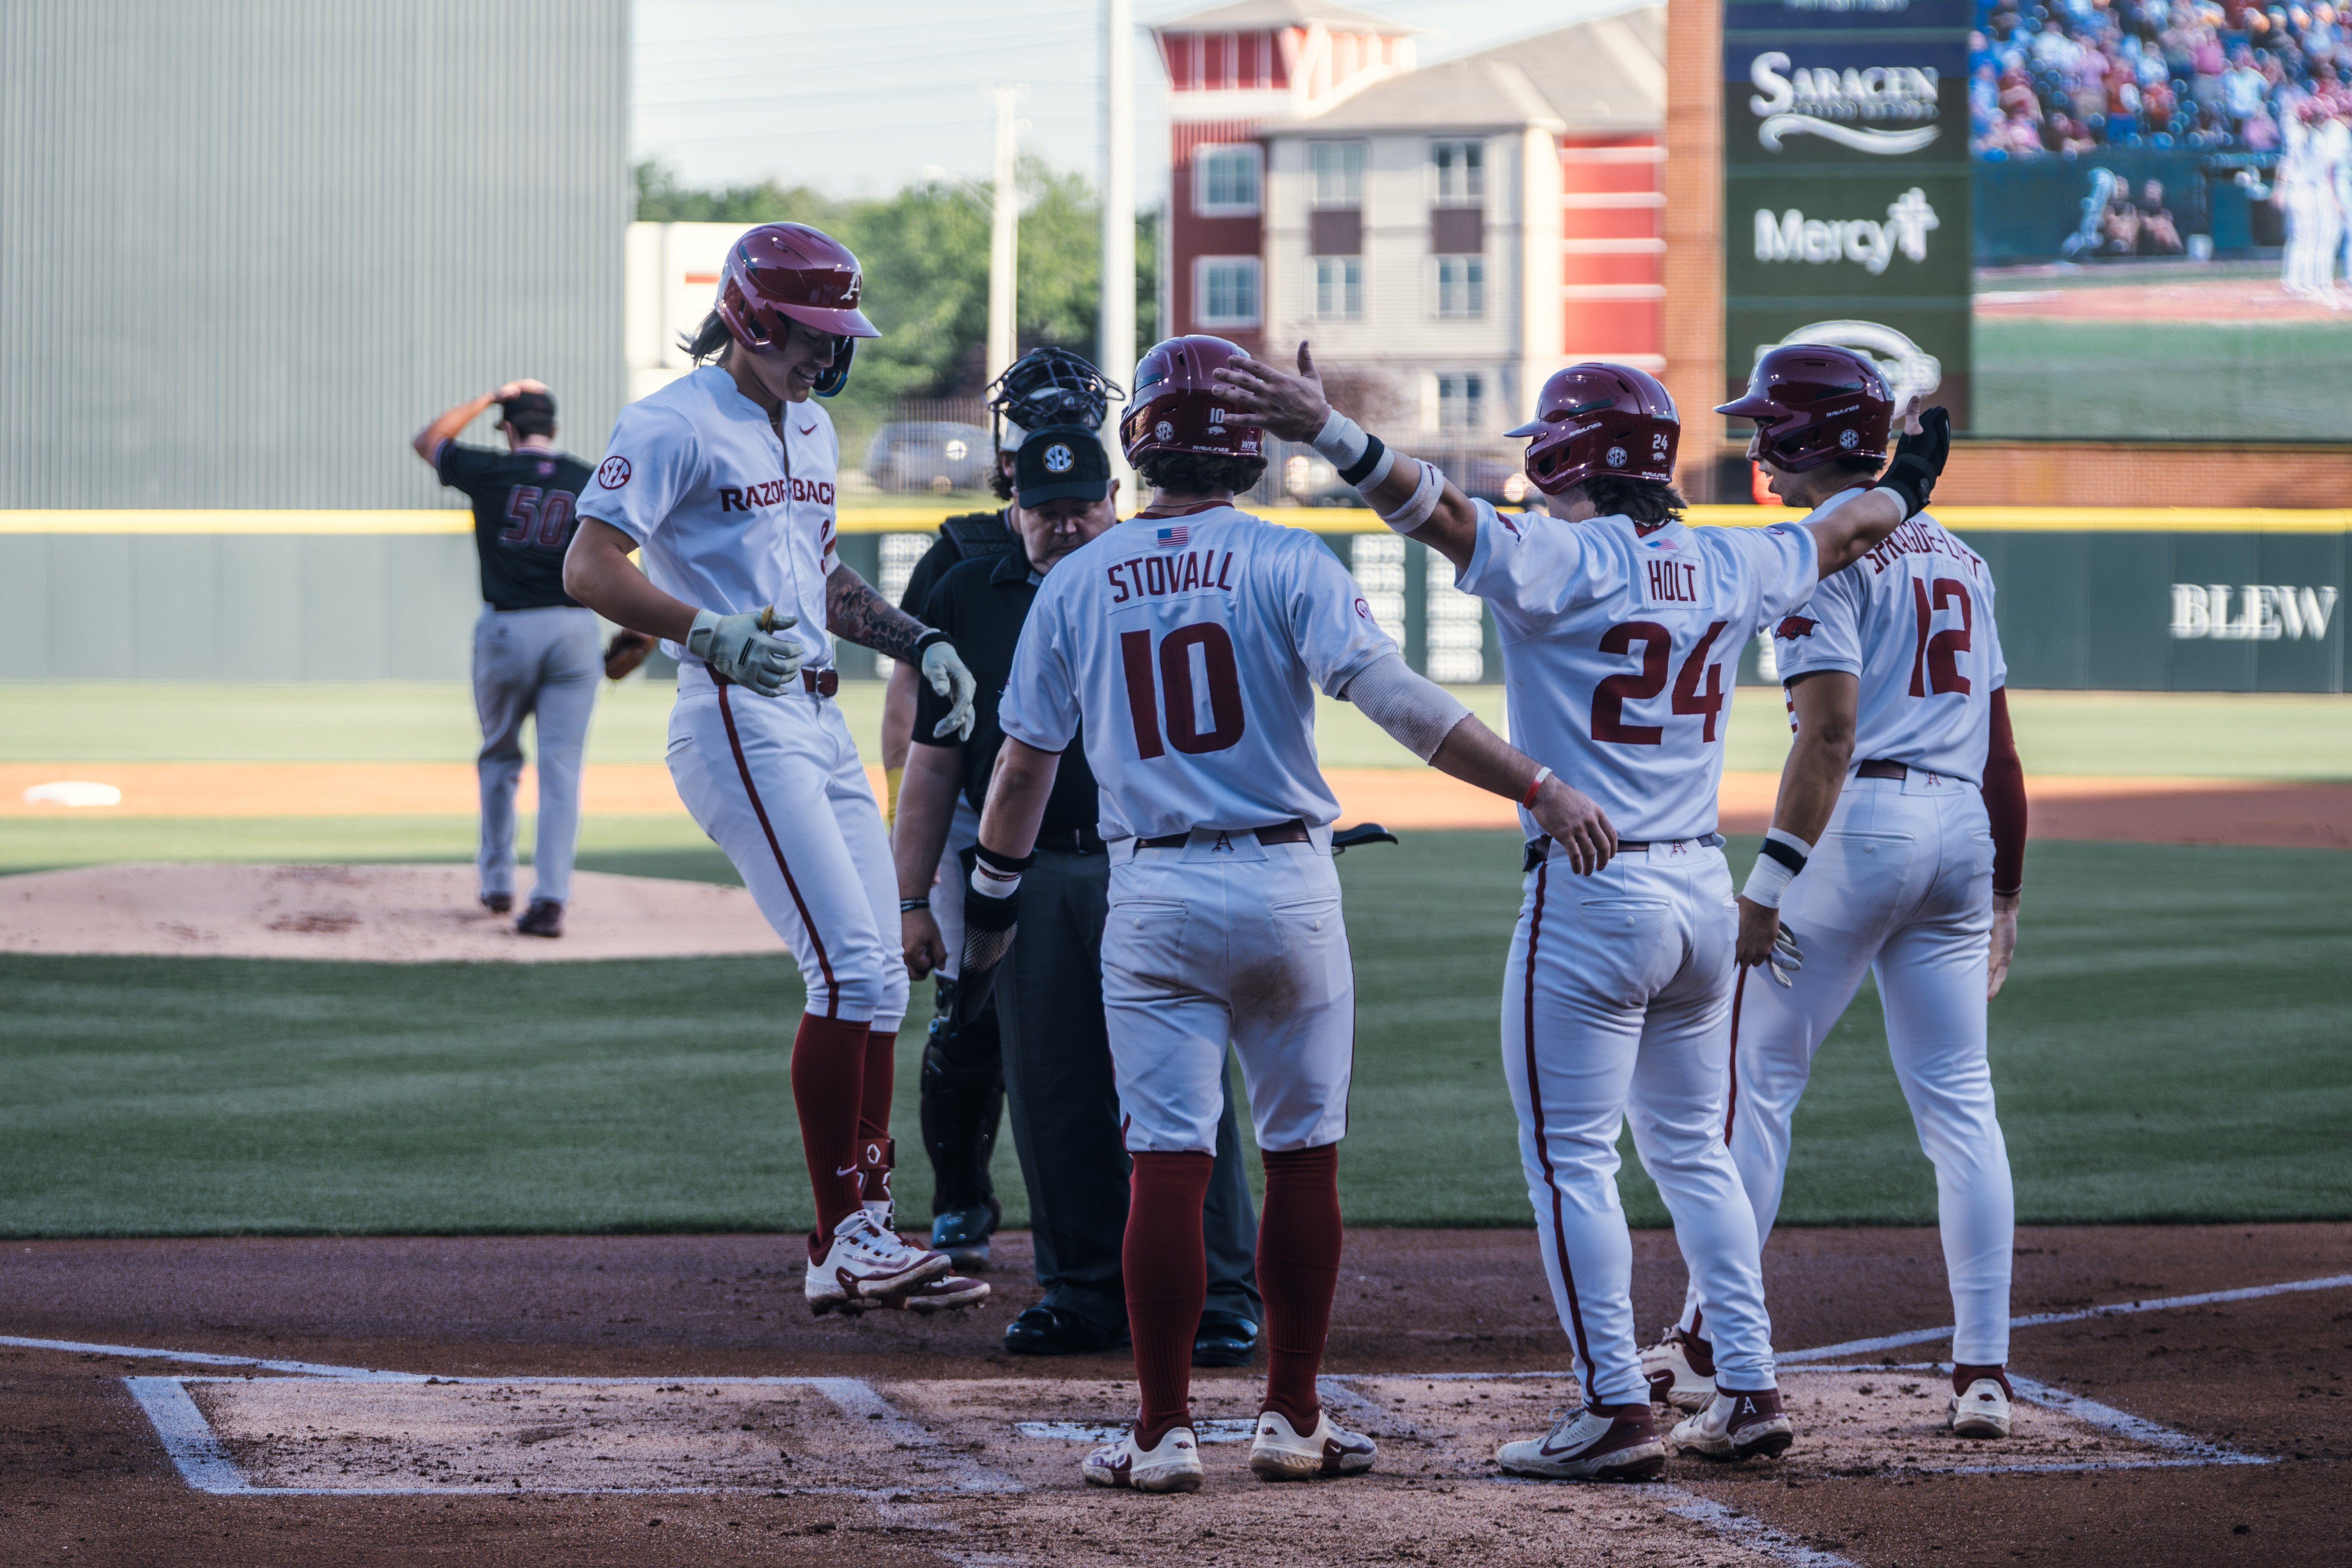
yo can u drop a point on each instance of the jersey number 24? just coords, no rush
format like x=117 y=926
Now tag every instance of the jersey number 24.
x=1174 y=692
x=1609 y=698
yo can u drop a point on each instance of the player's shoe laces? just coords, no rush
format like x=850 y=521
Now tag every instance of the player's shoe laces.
x=1277 y=1453
x=1172 y=1466
x=1738 y=1425
x=1982 y=1410
x=1596 y=1443
x=864 y=1265
x=1680 y=1370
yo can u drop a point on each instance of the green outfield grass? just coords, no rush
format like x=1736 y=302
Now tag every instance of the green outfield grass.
x=2196 y=734
x=2179 y=380
x=2171 y=1047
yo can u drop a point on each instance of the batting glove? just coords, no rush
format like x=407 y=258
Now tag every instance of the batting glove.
x=1785 y=957
x=1919 y=461
x=944 y=668
x=736 y=647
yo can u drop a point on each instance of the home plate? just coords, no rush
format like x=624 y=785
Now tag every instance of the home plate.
x=774 y=1435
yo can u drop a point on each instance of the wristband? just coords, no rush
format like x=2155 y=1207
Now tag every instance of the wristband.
x=930 y=635
x=908 y=906
x=1424 y=502
x=1341 y=442
x=991 y=884
x=1003 y=865
x=1371 y=471
x=1782 y=857
x=1528 y=799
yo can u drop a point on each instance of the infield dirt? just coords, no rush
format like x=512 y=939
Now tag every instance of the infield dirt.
x=83 y=1477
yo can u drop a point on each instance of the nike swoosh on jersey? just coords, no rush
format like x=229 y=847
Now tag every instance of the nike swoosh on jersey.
x=808 y=429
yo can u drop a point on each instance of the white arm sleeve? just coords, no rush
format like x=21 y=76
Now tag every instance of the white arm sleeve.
x=1416 y=711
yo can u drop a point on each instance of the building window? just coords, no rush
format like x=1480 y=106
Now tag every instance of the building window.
x=1461 y=404
x=1224 y=292
x=1338 y=288
x=1461 y=286
x=1225 y=180
x=1460 y=171
x=1377 y=562
x=1335 y=173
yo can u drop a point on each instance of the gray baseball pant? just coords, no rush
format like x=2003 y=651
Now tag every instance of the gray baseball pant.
x=533 y=662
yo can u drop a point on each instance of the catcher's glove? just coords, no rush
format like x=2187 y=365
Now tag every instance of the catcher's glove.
x=626 y=652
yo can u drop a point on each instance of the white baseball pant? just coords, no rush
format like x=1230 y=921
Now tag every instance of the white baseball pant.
x=1226 y=939
x=1901 y=883
x=777 y=784
x=1616 y=1007
x=541 y=664
x=947 y=892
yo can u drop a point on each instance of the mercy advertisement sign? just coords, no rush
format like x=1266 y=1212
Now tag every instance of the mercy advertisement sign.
x=1847 y=185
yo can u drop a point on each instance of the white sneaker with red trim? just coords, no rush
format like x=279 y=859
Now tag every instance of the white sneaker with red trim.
x=1982 y=1410
x=1277 y=1453
x=864 y=1266
x=1174 y=1465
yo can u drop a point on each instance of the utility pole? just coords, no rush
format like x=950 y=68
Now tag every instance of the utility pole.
x=1005 y=236
x=1115 y=355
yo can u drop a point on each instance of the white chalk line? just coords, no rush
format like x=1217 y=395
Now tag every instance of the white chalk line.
x=1745 y=1530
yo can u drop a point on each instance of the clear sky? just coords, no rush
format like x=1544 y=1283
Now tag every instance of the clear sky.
x=858 y=99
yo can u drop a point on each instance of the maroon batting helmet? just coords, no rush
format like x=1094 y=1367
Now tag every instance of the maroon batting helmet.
x=1812 y=402
x=1175 y=407
x=781 y=271
x=1599 y=418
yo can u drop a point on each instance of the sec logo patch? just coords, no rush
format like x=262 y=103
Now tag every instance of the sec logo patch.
x=614 y=474
x=1058 y=458
x=1849 y=439
x=1164 y=430
x=1616 y=457
x=1363 y=609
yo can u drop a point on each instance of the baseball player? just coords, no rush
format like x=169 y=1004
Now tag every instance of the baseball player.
x=534 y=647
x=963 y=1071
x=1190 y=642
x=1908 y=861
x=724 y=480
x=1619 y=625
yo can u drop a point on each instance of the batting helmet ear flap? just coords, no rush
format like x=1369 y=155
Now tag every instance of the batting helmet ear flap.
x=836 y=376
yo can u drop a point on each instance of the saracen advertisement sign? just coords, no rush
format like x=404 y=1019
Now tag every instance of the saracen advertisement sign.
x=1847 y=185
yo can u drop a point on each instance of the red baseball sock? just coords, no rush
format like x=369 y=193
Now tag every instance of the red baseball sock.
x=1167 y=1274
x=874 y=1154
x=1298 y=1271
x=828 y=1071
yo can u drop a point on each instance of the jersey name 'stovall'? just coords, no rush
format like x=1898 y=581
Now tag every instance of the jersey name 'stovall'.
x=1163 y=574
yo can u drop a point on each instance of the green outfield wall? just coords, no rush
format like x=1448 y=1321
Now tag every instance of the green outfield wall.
x=2121 y=599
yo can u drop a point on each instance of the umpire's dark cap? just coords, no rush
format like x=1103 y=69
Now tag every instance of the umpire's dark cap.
x=1061 y=464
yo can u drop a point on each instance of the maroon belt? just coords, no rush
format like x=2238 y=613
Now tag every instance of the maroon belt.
x=1880 y=768
x=818 y=682
x=1291 y=832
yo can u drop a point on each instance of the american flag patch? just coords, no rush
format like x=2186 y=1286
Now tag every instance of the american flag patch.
x=1172 y=537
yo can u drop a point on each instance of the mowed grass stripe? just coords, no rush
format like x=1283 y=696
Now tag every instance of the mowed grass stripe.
x=2169 y=1047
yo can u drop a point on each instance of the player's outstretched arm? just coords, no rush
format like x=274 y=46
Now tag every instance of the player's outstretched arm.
x=856 y=613
x=1432 y=723
x=1811 y=780
x=1847 y=533
x=1409 y=496
x=926 y=808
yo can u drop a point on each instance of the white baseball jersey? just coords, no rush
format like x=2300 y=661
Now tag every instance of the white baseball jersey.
x=1192 y=645
x=1620 y=649
x=1912 y=620
x=725 y=516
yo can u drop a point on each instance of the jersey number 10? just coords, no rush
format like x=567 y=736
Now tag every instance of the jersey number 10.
x=1174 y=692
x=1609 y=698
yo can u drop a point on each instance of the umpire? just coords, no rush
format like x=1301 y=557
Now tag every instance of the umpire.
x=534 y=647
x=1048 y=989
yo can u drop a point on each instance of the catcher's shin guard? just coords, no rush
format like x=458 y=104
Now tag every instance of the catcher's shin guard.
x=963 y=1105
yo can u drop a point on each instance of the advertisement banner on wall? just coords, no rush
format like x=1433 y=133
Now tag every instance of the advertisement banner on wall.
x=1846 y=186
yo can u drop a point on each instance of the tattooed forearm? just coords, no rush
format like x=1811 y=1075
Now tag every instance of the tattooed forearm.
x=853 y=610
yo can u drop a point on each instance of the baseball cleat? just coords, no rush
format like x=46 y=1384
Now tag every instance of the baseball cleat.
x=1173 y=1466
x=1982 y=1410
x=544 y=918
x=1680 y=1370
x=1737 y=1424
x=864 y=1265
x=499 y=904
x=1279 y=1453
x=1595 y=1442
x=941 y=1293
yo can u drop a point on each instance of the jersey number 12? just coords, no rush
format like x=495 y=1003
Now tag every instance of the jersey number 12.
x=1935 y=660
x=1174 y=690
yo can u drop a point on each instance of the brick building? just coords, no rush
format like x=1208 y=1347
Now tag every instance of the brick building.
x=1447 y=235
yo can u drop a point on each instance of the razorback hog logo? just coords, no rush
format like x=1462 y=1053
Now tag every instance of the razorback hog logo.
x=1794 y=626
x=773 y=492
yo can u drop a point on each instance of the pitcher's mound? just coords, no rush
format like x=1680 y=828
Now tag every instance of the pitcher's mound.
x=384 y=914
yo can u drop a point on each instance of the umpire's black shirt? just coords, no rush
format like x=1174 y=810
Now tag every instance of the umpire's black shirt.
x=522 y=520
x=981 y=605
